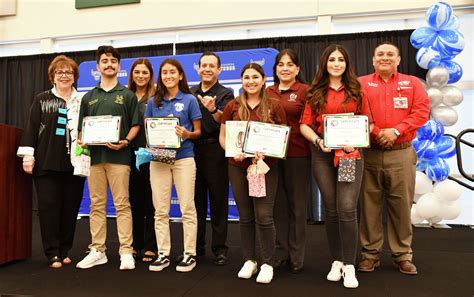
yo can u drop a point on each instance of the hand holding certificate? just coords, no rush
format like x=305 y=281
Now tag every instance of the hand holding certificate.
x=161 y=132
x=269 y=139
x=100 y=130
x=346 y=130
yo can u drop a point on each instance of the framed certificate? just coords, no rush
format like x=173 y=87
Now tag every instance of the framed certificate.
x=234 y=137
x=100 y=130
x=160 y=132
x=346 y=130
x=269 y=139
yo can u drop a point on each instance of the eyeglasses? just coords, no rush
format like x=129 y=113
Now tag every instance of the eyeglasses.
x=61 y=73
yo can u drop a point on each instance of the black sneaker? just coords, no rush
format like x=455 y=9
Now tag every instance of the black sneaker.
x=161 y=263
x=187 y=264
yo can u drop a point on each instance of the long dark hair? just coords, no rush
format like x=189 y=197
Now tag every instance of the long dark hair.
x=294 y=58
x=264 y=108
x=150 y=87
x=318 y=90
x=161 y=88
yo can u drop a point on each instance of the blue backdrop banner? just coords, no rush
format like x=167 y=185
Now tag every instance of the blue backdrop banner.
x=232 y=63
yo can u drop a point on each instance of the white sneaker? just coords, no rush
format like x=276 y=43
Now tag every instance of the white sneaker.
x=187 y=264
x=350 y=280
x=93 y=258
x=265 y=275
x=336 y=271
x=127 y=262
x=249 y=269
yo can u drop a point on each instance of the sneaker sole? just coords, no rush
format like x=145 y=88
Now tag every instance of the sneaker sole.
x=376 y=264
x=158 y=268
x=351 y=287
x=100 y=262
x=334 y=280
x=247 y=277
x=127 y=268
x=264 y=282
x=186 y=268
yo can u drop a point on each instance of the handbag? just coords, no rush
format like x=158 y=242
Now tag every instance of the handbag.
x=167 y=156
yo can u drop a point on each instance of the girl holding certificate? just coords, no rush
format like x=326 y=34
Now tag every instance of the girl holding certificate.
x=256 y=214
x=47 y=147
x=174 y=99
x=141 y=83
x=335 y=90
x=295 y=170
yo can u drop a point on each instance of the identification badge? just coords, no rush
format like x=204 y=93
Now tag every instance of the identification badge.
x=62 y=110
x=400 y=102
x=60 y=131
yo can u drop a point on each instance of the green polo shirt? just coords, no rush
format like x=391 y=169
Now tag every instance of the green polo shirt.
x=119 y=101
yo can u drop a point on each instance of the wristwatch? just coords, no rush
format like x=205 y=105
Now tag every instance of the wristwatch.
x=396 y=132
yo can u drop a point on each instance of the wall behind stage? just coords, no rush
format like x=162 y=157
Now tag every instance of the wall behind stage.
x=51 y=19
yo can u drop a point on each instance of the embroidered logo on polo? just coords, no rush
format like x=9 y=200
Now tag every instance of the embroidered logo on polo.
x=371 y=84
x=119 y=99
x=93 y=101
x=179 y=107
x=404 y=84
x=293 y=97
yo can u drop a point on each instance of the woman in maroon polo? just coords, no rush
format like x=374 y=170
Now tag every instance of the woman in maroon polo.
x=295 y=171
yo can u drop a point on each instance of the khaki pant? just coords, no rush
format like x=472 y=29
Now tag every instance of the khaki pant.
x=117 y=176
x=389 y=174
x=162 y=176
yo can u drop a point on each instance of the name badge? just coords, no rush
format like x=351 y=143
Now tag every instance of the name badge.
x=400 y=102
x=62 y=110
x=60 y=131
x=62 y=120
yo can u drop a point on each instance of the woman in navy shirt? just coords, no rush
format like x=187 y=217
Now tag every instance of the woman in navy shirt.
x=174 y=99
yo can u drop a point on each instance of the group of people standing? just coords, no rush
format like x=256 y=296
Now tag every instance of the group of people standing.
x=396 y=105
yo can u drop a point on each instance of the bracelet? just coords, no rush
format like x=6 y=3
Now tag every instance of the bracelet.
x=316 y=141
x=215 y=110
x=128 y=140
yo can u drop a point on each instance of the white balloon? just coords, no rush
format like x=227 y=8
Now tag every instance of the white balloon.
x=450 y=211
x=446 y=115
x=415 y=218
x=423 y=184
x=447 y=190
x=451 y=95
x=436 y=96
x=417 y=197
x=428 y=206
x=437 y=77
x=435 y=220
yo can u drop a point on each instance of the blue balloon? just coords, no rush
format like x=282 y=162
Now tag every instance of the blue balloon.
x=455 y=70
x=445 y=147
x=429 y=152
x=437 y=170
x=421 y=146
x=449 y=43
x=453 y=23
x=428 y=57
x=439 y=15
x=431 y=130
x=423 y=36
x=421 y=165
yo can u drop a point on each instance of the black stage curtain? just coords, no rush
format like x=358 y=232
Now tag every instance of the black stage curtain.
x=21 y=78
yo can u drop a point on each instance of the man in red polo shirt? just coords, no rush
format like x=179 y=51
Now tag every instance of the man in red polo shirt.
x=400 y=106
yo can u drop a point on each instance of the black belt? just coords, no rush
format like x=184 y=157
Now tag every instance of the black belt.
x=395 y=146
x=207 y=141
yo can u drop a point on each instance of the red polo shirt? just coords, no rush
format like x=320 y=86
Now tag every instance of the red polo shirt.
x=293 y=101
x=413 y=112
x=231 y=113
x=334 y=105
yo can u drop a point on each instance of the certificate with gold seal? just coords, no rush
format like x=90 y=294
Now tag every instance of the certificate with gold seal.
x=269 y=139
x=346 y=130
x=100 y=130
x=161 y=132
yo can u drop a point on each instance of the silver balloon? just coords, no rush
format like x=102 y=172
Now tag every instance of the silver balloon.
x=436 y=96
x=424 y=83
x=446 y=115
x=437 y=77
x=452 y=95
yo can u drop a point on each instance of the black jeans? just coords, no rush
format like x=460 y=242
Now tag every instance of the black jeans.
x=256 y=214
x=59 y=199
x=212 y=181
x=290 y=208
x=141 y=202
x=340 y=205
